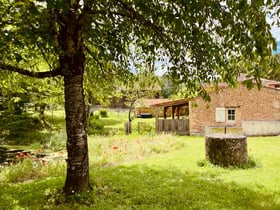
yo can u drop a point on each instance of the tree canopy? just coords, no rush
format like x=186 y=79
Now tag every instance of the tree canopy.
x=198 y=37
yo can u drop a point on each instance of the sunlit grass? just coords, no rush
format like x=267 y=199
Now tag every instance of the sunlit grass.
x=118 y=149
x=158 y=172
x=147 y=171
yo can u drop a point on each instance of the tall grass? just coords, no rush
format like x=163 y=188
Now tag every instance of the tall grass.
x=104 y=151
x=169 y=178
x=30 y=169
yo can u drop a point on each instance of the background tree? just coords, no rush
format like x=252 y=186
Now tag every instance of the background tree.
x=100 y=88
x=168 y=86
x=142 y=84
x=198 y=37
x=273 y=68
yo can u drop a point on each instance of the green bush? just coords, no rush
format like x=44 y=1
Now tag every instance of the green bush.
x=95 y=128
x=94 y=116
x=56 y=142
x=20 y=128
x=251 y=163
x=103 y=113
x=145 y=127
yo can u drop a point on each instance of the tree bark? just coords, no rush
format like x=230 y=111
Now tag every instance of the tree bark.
x=72 y=61
x=77 y=179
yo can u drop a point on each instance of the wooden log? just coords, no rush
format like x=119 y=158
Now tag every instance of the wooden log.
x=226 y=149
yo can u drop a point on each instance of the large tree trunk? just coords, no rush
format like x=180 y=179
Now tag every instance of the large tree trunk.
x=72 y=61
x=77 y=179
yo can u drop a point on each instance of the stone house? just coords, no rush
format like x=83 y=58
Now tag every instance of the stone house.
x=234 y=110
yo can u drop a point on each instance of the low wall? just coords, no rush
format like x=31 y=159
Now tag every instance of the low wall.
x=261 y=128
x=223 y=130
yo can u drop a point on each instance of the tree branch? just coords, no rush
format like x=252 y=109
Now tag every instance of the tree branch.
x=85 y=12
x=94 y=57
x=45 y=74
x=134 y=15
x=44 y=55
x=127 y=12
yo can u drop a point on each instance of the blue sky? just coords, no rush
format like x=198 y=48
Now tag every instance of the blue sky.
x=278 y=48
x=276 y=33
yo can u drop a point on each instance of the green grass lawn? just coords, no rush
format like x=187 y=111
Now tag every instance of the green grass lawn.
x=153 y=172
x=116 y=120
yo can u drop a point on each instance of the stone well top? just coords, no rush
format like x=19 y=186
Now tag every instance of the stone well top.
x=225 y=136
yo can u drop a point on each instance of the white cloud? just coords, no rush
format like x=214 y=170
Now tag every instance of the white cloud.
x=276 y=32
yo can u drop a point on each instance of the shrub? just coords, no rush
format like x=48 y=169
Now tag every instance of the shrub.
x=56 y=142
x=251 y=163
x=145 y=127
x=20 y=128
x=95 y=127
x=103 y=113
x=94 y=116
x=95 y=130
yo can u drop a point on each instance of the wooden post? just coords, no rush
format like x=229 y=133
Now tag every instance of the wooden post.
x=127 y=127
x=157 y=121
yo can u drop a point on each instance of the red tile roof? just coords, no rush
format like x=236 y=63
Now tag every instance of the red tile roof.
x=244 y=77
x=150 y=102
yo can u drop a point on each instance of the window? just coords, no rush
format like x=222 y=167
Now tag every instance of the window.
x=231 y=114
x=225 y=114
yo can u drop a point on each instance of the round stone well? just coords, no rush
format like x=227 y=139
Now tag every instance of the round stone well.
x=226 y=149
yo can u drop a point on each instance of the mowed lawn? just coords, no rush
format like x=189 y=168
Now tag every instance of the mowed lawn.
x=158 y=172
x=174 y=180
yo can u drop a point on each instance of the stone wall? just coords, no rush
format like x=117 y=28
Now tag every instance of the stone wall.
x=250 y=105
x=261 y=128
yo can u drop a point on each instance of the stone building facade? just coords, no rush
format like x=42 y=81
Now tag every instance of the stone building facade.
x=251 y=112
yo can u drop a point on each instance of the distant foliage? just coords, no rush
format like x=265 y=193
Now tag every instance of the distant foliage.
x=20 y=128
x=103 y=113
x=56 y=142
x=94 y=116
x=95 y=128
x=145 y=127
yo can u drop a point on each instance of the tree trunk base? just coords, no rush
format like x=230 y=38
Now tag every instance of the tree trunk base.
x=226 y=150
x=127 y=127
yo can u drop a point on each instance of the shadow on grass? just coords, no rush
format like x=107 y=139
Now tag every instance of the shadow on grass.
x=138 y=187
x=148 y=188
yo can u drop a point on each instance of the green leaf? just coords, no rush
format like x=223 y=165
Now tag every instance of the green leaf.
x=249 y=83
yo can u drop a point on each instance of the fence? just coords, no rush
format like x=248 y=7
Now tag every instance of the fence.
x=173 y=126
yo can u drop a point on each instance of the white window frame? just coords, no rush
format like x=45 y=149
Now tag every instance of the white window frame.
x=231 y=115
x=223 y=114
